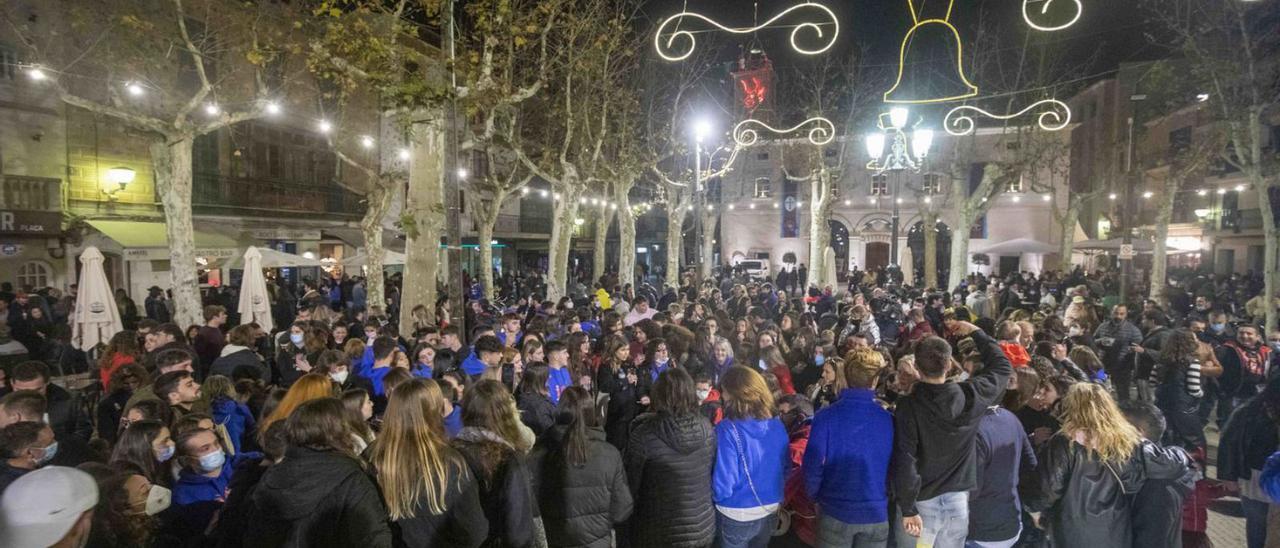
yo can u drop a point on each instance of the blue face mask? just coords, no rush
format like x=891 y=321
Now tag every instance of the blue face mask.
x=296 y=338
x=213 y=461
x=819 y=359
x=1219 y=327
x=166 y=454
x=48 y=455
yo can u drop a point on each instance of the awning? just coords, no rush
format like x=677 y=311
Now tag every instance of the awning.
x=144 y=240
x=1017 y=247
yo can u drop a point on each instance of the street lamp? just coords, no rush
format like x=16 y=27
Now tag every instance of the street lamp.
x=902 y=154
x=120 y=177
x=701 y=131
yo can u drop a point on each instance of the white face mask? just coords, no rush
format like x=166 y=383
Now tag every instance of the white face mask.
x=158 y=500
x=339 y=376
x=702 y=395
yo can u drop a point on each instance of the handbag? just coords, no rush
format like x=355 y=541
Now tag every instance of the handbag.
x=784 y=519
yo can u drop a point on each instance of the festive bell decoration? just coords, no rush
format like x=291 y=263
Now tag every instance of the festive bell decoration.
x=930 y=62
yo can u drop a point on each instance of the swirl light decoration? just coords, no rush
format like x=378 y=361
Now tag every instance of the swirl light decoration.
x=822 y=132
x=1055 y=117
x=664 y=41
x=1026 y=15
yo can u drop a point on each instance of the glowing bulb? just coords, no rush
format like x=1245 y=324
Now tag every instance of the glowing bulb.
x=37 y=74
x=1222 y=191
x=898 y=116
x=1017 y=199
x=404 y=154
x=711 y=207
x=1240 y=188
x=775 y=205
x=701 y=129
x=556 y=196
x=921 y=140
x=1111 y=196
x=579 y=221
x=212 y=109
x=899 y=200
x=1046 y=197
x=134 y=89
x=462 y=173
x=1202 y=192
x=325 y=126
x=799 y=204
x=272 y=108
x=524 y=191
x=848 y=202
x=928 y=199
x=366 y=141
x=613 y=205
x=1202 y=97
x=1147 y=195
x=751 y=206
x=582 y=200
x=731 y=207
x=873 y=200
x=542 y=193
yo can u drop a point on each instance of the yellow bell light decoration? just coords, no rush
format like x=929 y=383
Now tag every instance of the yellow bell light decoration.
x=821 y=132
x=917 y=51
x=1055 y=116
x=1032 y=15
x=665 y=39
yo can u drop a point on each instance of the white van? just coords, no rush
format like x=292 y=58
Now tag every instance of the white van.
x=755 y=268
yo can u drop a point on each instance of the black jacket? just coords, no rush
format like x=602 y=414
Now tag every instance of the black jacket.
x=536 y=411
x=1248 y=438
x=623 y=403
x=246 y=359
x=504 y=487
x=944 y=419
x=579 y=505
x=669 y=460
x=317 y=498
x=1088 y=501
x=67 y=416
x=237 y=511
x=462 y=524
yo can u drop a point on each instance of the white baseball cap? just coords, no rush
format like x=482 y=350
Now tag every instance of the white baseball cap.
x=39 y=508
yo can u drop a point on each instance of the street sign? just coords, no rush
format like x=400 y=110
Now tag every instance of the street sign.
x=1126 y=252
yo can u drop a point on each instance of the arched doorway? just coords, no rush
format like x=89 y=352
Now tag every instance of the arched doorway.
x=915 y=240
x=877 y=256
x=840 y=244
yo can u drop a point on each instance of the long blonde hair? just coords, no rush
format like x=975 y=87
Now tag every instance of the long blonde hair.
x=411 y=454
x=1089 y=410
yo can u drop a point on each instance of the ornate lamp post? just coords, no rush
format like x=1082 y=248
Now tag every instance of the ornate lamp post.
x=902 y=154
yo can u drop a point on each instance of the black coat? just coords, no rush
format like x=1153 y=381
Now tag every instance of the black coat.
x=67 y=416
x=536 y=411
x=580 y=505
x=1248 y=438
x=462 y=524
x=669 y=461
x=317 y=498
x=1088 y=501
x=245 y=359
x=623 y=402
x=504 y=488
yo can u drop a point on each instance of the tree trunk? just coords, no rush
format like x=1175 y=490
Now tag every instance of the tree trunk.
x=929 y=224
x=1271 y=275
x=379 y=202
x=1160 y=252
x=626 y=237
x=423 y=220
x=675 y=239
x=960 y=248
x=485 y=232
x=708 y=243
x=598 y=257
x=172 y=161
x=819 y=231
x=563 y=215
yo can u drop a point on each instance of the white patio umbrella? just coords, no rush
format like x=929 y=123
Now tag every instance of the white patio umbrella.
x=96 y=318
x=255 y=302
x=389 y=258
x=271 y=258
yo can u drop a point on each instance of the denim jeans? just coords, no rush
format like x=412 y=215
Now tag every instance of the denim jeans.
x=833 y=533
x=946 y=520
x=1255 y=522
x=745 y=534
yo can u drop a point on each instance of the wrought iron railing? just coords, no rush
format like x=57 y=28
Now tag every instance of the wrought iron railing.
x=219 y=192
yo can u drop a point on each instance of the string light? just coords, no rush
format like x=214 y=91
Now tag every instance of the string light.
x=731 y=207
x=850 y=202
x=613 y=206
x=1240 y=188
x=972 y=90
x=542 y=193
x=325 y=126
x=1147 y=195
x=775 y=205
x=711 y=207
x=1054 y=118
x=1046 y=197
x=404 y=154
x=669 y=52
x=1026 y=16
x=366 y=141
x=556 y=196
x=582 y=200
x=524 y=191
x=272 y=108
x=928 y=199
x=1222 y=191
x=37 y=74
x=1111 y=196
x=1017 y=199
x=212 y=109
x=899 y=200
x=751 y=206
x=1202 y=192
x=135 y=89
x=822 y=133
x=462 y=173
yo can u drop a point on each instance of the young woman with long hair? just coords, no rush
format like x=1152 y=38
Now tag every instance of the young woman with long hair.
x=618 y=378
x=319 y=494
x=533 y=399
x=579 y=355
x=1178 y=390
x=147 y=445
x=312 y=386
x=122 y=350
x=430 y=493
x=771 y=360
x=1093 y=466
x=752 y=454
x=669 y=461
x=578 y=477
x=494 y=446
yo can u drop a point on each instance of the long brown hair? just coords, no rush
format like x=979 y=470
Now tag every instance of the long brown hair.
x=488 y=405
x=577 y=411
x=412 y=456
x=320 y=425
x=124 y=342
x=746 y=395
x=612 y=344
x=311 y=386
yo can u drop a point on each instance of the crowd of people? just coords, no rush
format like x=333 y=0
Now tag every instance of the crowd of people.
x=1028 y=410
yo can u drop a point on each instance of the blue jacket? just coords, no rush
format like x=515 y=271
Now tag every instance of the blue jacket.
x=422 y=370
x=1270 y=479
x=846 y=464
x=375 y=376
x=764 y=448
x=557 y=381
x=453 y=422
x=235 y=416
x=472 y=365
x=196 y=498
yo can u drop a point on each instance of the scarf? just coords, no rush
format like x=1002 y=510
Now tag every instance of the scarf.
x=478 y=435
x=1252 y=361
x=231 y=349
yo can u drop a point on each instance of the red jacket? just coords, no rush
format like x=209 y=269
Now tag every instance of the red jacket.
x=117 y=361
x=783 y=374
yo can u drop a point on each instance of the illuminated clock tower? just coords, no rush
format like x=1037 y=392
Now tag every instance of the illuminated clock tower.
x=753 y=85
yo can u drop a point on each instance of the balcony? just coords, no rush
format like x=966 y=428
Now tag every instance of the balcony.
x=237 y=196
x=30 y=193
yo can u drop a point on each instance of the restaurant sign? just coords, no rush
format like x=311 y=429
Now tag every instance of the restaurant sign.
x=30 y=223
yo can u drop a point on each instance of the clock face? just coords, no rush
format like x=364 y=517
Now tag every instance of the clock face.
x=789 y=203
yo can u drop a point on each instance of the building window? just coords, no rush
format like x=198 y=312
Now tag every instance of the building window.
x=34 y=274
x=829 y=153
x=762 y=156
x=932 y=184
x=1014 y=187
x=879 y=185
x=764 y=188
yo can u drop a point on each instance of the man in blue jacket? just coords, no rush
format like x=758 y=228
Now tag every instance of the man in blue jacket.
x=201 y=488
x=846 y=465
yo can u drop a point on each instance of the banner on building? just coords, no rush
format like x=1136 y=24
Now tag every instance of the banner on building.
x=790 y=210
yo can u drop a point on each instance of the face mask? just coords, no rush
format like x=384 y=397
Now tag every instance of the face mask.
x=296 y=338
x=212 y=461
x=166 y=454
x=819 y=359
x=158 y=500
x=662 y=363
x=339 y=376
x=49 y=452
x=1218 y=327
x=763 y=365
x=702 y=395
x=1074 y=331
